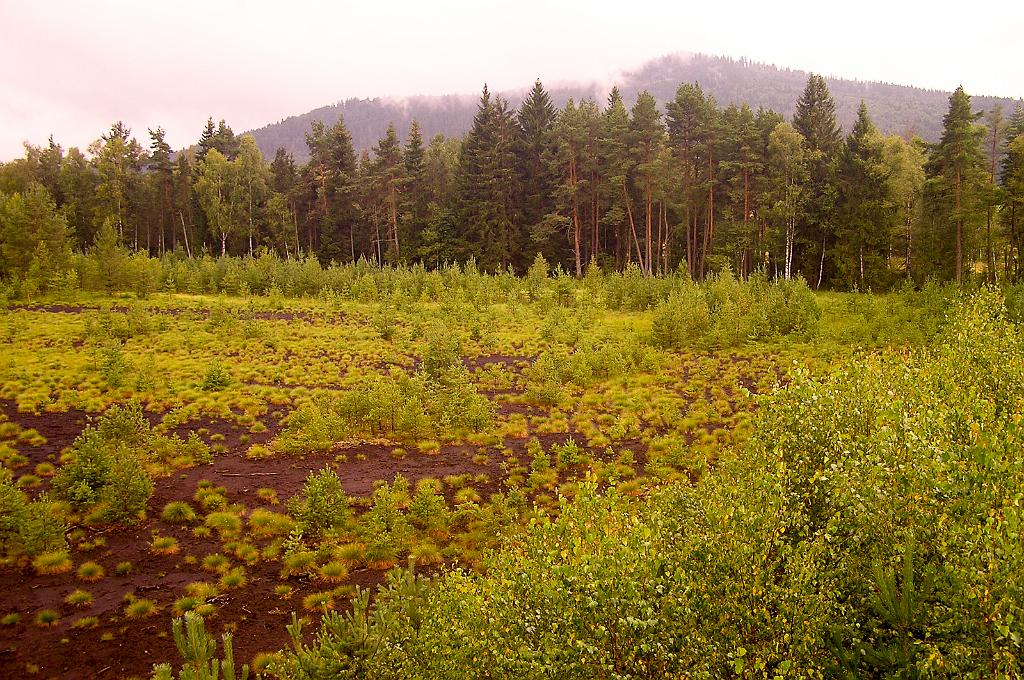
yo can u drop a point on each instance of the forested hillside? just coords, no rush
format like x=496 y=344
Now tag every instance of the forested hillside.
x=896 y=108
x=693 y=186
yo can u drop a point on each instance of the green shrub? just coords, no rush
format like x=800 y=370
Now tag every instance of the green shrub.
x=105 y=472
x=322 y=505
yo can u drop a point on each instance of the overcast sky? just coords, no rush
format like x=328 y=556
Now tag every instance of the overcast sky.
x=72 y=68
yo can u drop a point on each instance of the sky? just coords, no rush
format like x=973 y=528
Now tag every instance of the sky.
x=72 y=68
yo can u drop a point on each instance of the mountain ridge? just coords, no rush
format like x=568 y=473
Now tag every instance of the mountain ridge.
x=902 y=109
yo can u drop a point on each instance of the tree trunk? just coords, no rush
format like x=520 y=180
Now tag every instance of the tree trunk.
x=959 y=231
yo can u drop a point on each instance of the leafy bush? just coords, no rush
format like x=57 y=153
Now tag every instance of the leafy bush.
x=871 y=529
x=397 y=406
x=28 y=527
x=725 y=312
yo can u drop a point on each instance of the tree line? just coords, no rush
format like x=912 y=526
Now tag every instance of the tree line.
x=695 y=187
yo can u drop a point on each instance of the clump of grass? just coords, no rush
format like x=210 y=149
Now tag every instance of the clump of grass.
x=426 y=554
x=123 y=568
x=267 y=524
x=298 y=563
x=319 y=602
x=203 y=590
x=47 y=618
x=86 y=622
x=164 y=545
x=268 y=495
x=28 y=482
x=226 y=524
x=53 y=562
x=284 y=591
x=140 y=608
x=334 y=571
x=234 y=578
x=216 y=563
x=11 y=619
x=79 y=598
x=351 y=554
x=186 y=604
x=45 y=469
x=90 y=571
x=466 y=495
x=178 y=512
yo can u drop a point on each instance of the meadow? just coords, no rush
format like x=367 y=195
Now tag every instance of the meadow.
x=254 y=462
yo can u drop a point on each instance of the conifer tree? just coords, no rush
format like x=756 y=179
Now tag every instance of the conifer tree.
x=160 y=178
x=864 y=228
x=815 y=120
x=535 y=145
x=388 y=170
x=1011 y=179
x=332 y=176
x=415 y=198
x=646 y=142
x=616 y=166
x=955 y=176
x=486 y=186
x=284 y=182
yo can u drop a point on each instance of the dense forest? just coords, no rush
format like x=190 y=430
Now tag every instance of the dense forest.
x=694 y=186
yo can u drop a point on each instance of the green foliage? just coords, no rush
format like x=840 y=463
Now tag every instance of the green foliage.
x=29 y=527
x=726 y=312
x=860 y=527
x=198 y=650
x=106 y=474
x=322 y=505
x=396 y=406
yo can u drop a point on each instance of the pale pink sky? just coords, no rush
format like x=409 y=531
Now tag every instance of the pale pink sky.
x=73 y=68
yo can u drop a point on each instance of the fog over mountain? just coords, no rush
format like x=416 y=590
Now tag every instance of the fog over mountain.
x=897 y=109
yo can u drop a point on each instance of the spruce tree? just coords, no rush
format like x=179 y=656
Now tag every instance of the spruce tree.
x=486 y=187
x=815 y=120
x=535 y=146
x=864 y=227
x=415 y=199
x=331 y=180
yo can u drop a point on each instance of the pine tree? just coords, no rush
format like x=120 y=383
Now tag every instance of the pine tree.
x=616 y=167
x=566 y=163
x=31 y=228
x=117 y=158
x=647 y=135
x=956 y=171
x=693 y=138
x=1011 y=179
x=160 y=177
